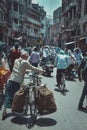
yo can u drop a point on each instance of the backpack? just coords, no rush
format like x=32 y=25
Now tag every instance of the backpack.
x=84 y=69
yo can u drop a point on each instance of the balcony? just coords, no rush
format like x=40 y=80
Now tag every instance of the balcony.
x=14 y=14
x=33 y=21
x=69 y=6
x=3 y=6
x=71 y=23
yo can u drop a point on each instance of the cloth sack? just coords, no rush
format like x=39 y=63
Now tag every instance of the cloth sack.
x=45 y=101
x=19 y=100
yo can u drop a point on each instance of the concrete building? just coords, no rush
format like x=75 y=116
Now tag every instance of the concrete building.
x=42 y=19
x=57 y=15
x=49 y=23
x=55 y=29
x=25 y=21
x=3 y=21
x=74 y=15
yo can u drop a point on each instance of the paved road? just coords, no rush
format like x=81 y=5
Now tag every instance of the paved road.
x=67 y=117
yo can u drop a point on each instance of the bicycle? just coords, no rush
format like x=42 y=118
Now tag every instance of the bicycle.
x=63 y=83
x=30 y=100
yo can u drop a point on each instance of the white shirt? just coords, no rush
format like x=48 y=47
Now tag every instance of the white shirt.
x=19 y=70
x=34 y=57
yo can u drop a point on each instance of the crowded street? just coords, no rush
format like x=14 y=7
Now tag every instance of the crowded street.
x=67 y=116
x=43 y=64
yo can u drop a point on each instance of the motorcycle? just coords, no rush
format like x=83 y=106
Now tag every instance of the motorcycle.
x=71 y=72
x=47 y=67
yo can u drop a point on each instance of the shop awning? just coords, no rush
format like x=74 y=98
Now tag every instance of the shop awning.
x=68 y=43
x=17 y=39
x=82 y=38
x=69 y=30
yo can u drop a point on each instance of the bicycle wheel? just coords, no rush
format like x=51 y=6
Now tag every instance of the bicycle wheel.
x=63 y=86
x=33 y=108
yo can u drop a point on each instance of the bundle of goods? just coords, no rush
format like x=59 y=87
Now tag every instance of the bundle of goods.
x=4 y=75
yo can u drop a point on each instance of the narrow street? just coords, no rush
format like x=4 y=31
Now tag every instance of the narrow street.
x=67 y=117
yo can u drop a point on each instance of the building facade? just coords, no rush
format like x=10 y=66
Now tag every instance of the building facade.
x=74 y=15
x=21 y=21
x=3 y=21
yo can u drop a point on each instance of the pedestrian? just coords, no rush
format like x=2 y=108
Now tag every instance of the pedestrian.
x=2 y=60
x=61 y=63
x=82 y=75
x=71 y=65
x=13 y=55
x=34 y=58
x=16 y=79
x=78 y=55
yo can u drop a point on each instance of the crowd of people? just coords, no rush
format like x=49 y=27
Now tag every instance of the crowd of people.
x=19 y=61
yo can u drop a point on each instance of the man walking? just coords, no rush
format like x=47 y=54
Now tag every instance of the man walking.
x=82 y=74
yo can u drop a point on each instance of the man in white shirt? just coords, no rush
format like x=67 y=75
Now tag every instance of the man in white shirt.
x=16 y=79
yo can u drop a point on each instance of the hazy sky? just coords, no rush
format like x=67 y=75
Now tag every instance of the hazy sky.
x=49 y=5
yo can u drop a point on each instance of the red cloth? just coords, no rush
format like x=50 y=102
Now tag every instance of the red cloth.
x=14 y=55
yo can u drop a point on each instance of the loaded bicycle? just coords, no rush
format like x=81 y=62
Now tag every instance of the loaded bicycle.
x=30 y=98
x=63 y=83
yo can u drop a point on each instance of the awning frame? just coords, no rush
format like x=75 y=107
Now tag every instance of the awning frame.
x=69 y=43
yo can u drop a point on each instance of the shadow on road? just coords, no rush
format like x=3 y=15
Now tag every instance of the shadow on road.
x=49 y=76
x=42 y=122
x=73 y=80
x=61 y=91
x=20 y=120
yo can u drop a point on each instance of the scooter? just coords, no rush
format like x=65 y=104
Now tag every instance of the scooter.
x=71 y=74
x=47 y=67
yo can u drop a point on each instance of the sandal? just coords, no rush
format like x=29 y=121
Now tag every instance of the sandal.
x=4 y=115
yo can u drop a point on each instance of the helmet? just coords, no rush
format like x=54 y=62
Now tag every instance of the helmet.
x=61 y=52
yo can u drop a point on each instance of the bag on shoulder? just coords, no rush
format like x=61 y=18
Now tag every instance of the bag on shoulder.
x=45 y=101
x=19 y=100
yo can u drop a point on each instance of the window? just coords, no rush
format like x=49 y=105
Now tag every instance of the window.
x=9 y=5
x=16 y=21
x=85 y=27
x=15 y=6
x=20 y=9
x=85 y=7
x=29 y=1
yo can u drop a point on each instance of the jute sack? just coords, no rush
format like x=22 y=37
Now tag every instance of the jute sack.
x=45 y=101
x=19 y=100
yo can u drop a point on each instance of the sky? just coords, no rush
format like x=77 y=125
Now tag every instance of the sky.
x=49 y=5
